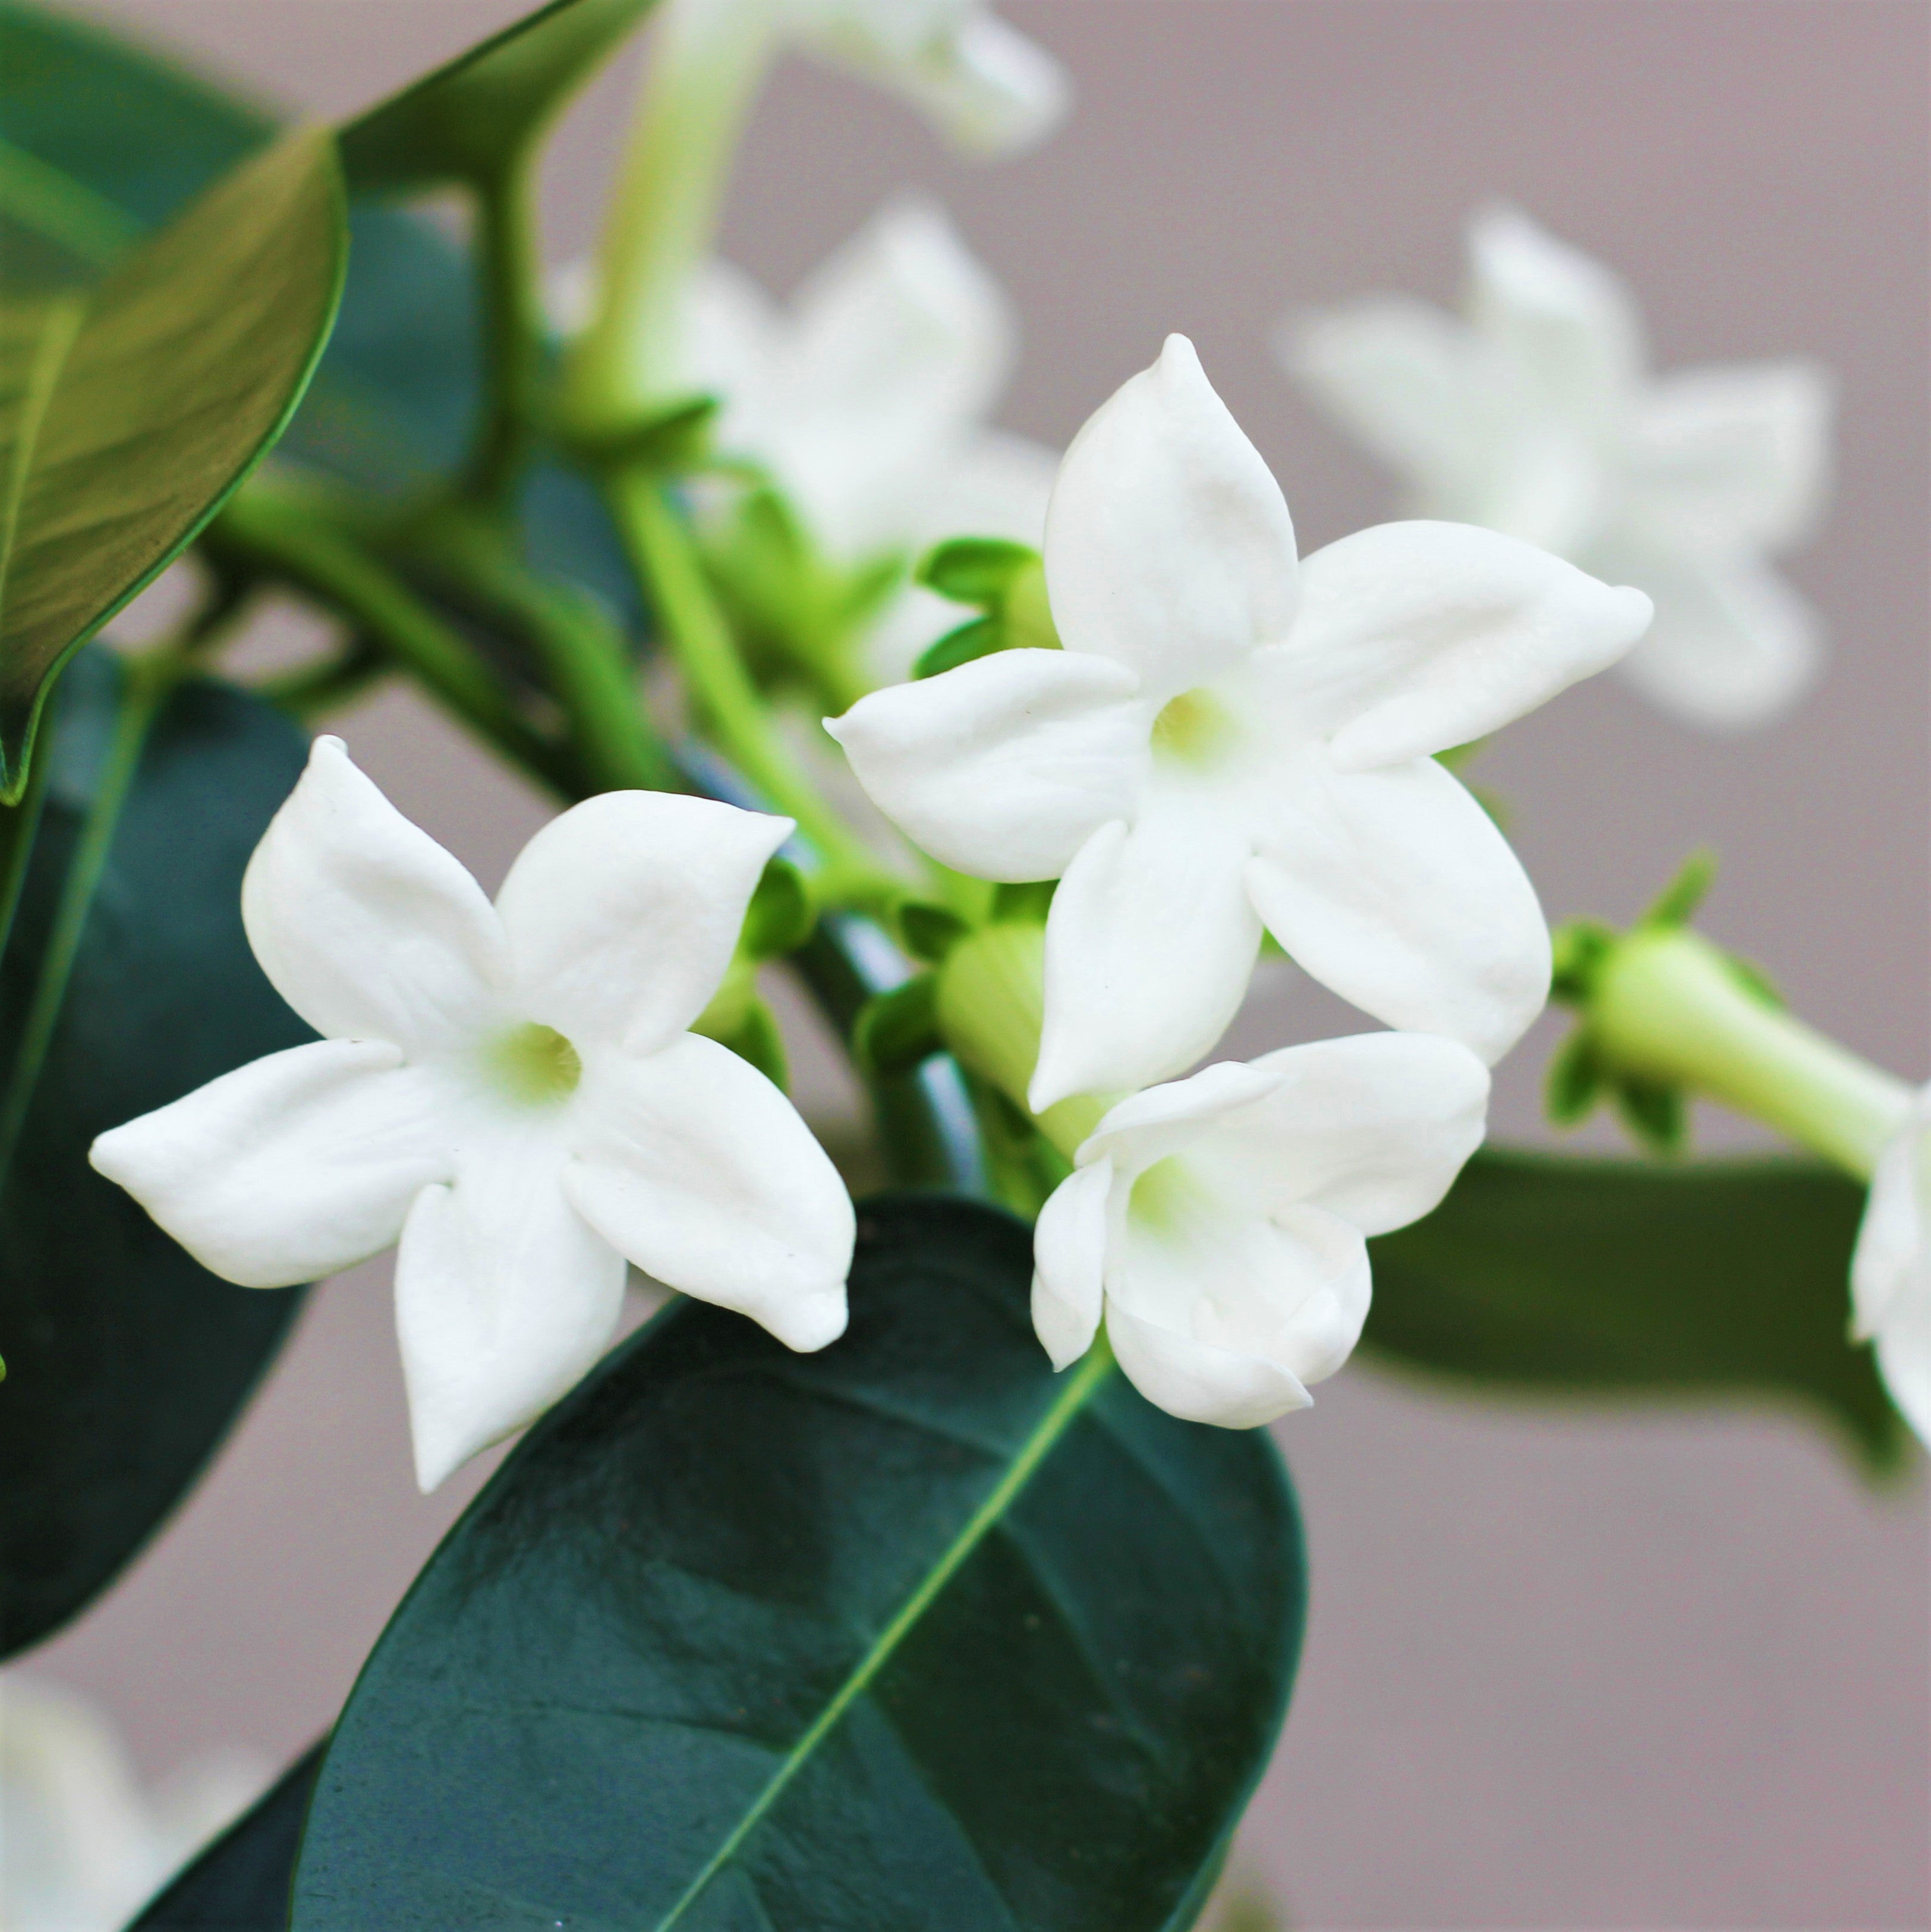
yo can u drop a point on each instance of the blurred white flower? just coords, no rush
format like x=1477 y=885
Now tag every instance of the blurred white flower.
x=82 y=1845
x=1218 y=1223
x=1232 y=738
x=510 y=1090
x=1890 y=1271
x=1535 y=414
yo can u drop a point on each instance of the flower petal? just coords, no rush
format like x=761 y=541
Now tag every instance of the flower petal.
x=1731 y=458
x=1169 y=548
x=1395 y=890
x=1893 y=1248
x=364 y=925
x=503 y=1299
x=293 y=1167
x=697 y=1168
x=1406 y=379
x=1069 y=1263
x=623 y=913
x=1149 y=945
x=1006 y=767
x=1733 y=646
x=1373 y=1129
x=1904 y=1358
x=1416 y=636
x=1197 y=1382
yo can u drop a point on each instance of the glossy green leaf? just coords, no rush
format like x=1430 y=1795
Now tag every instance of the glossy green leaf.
x=126 y=1360
x=1558 y=1276
x=129 y=410
x=908 y=1636
x=240 y=1883
x=464 y=121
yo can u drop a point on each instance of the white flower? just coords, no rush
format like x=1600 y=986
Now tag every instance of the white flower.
x=82 y=1845
x=1230 y=739
x=1219 y=1222
x=868 y=400
x=510 y=1090
x=1890 y=1271
x=1535 y=416
x=989 y=88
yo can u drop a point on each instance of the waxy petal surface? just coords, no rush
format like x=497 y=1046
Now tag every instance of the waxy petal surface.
x=363 y=923
x=1197 y=1382
x=1069 y=1263
x=293 y=1167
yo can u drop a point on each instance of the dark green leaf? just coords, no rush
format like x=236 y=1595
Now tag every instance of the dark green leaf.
x=1566 y=1277
x=466 y=122
x=908 y=1636
x=975 y=570
x=129 y=412
x=126 y=1360
x=240 y=1883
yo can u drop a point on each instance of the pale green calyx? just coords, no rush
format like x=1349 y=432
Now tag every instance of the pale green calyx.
x=532 y=1064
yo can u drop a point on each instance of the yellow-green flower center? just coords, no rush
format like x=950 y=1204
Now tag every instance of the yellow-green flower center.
x=1193 y=728
x=534 y=1064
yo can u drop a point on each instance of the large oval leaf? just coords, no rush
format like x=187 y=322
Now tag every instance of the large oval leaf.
x=909 y=1634
x=1557 y=1276
x=130 y=410
x=240 y=1883
x=464 y=122
x=125 y=1360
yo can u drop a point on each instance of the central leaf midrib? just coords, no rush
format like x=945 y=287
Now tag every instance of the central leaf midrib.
x=54 y=345
x=1051 y=1427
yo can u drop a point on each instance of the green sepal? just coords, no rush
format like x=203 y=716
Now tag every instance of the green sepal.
x=896 y=1030
x=758 y=1038
x=1755 y=981
x=672 y=442
x=470 y=119
x=1677 y=904
x=974 y=570
x=929 y=932
x=979 y=639
x=1030 y=902
x=1574 y=1082
x=1578 y=948
x=782 y=914
x=1656 y=1113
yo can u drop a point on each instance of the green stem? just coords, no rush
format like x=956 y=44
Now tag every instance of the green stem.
x=1666 y=1006
x=736 y=716
x=20 y=824
x=147 y=683
x=292 y=541
x=513 y=330
x=707 y=64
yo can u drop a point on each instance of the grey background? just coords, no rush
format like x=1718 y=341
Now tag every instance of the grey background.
x=1564 y=1670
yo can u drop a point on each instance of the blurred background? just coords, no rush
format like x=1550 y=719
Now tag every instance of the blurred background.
x=1565 y=1667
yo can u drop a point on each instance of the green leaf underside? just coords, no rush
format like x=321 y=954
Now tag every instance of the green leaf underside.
x=1560 y=1277
x=908 y=1633
x=240 y=1883
x=464 y=122
x=126 y=1360
x=129 y=412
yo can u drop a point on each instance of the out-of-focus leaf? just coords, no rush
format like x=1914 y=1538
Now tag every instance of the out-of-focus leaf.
x=464 y=122
x=240 y=1883
x=129 y=411
x=909 y=1634
x=126 y=1360
x=1549 y=1275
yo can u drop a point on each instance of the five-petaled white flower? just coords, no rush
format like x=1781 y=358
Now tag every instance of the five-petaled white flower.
x=1890 y=1271
x=1231 y=738
x=1219 y=1223
x=1535 y=416
x=867 y=400
x=990 y=88
x=509 y=1089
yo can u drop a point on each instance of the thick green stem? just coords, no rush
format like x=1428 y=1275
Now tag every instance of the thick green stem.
x=707 y=65
x=1666 y=1006
x=991 y=1005
x=729 y=706
x=290 y=540
x=513 y=326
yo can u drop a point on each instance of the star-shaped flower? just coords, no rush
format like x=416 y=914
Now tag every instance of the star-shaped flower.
x=510 y=1090
x=1218 y=1224
x=1232 y=739
x=1890 y=1271
x=1535 y=414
